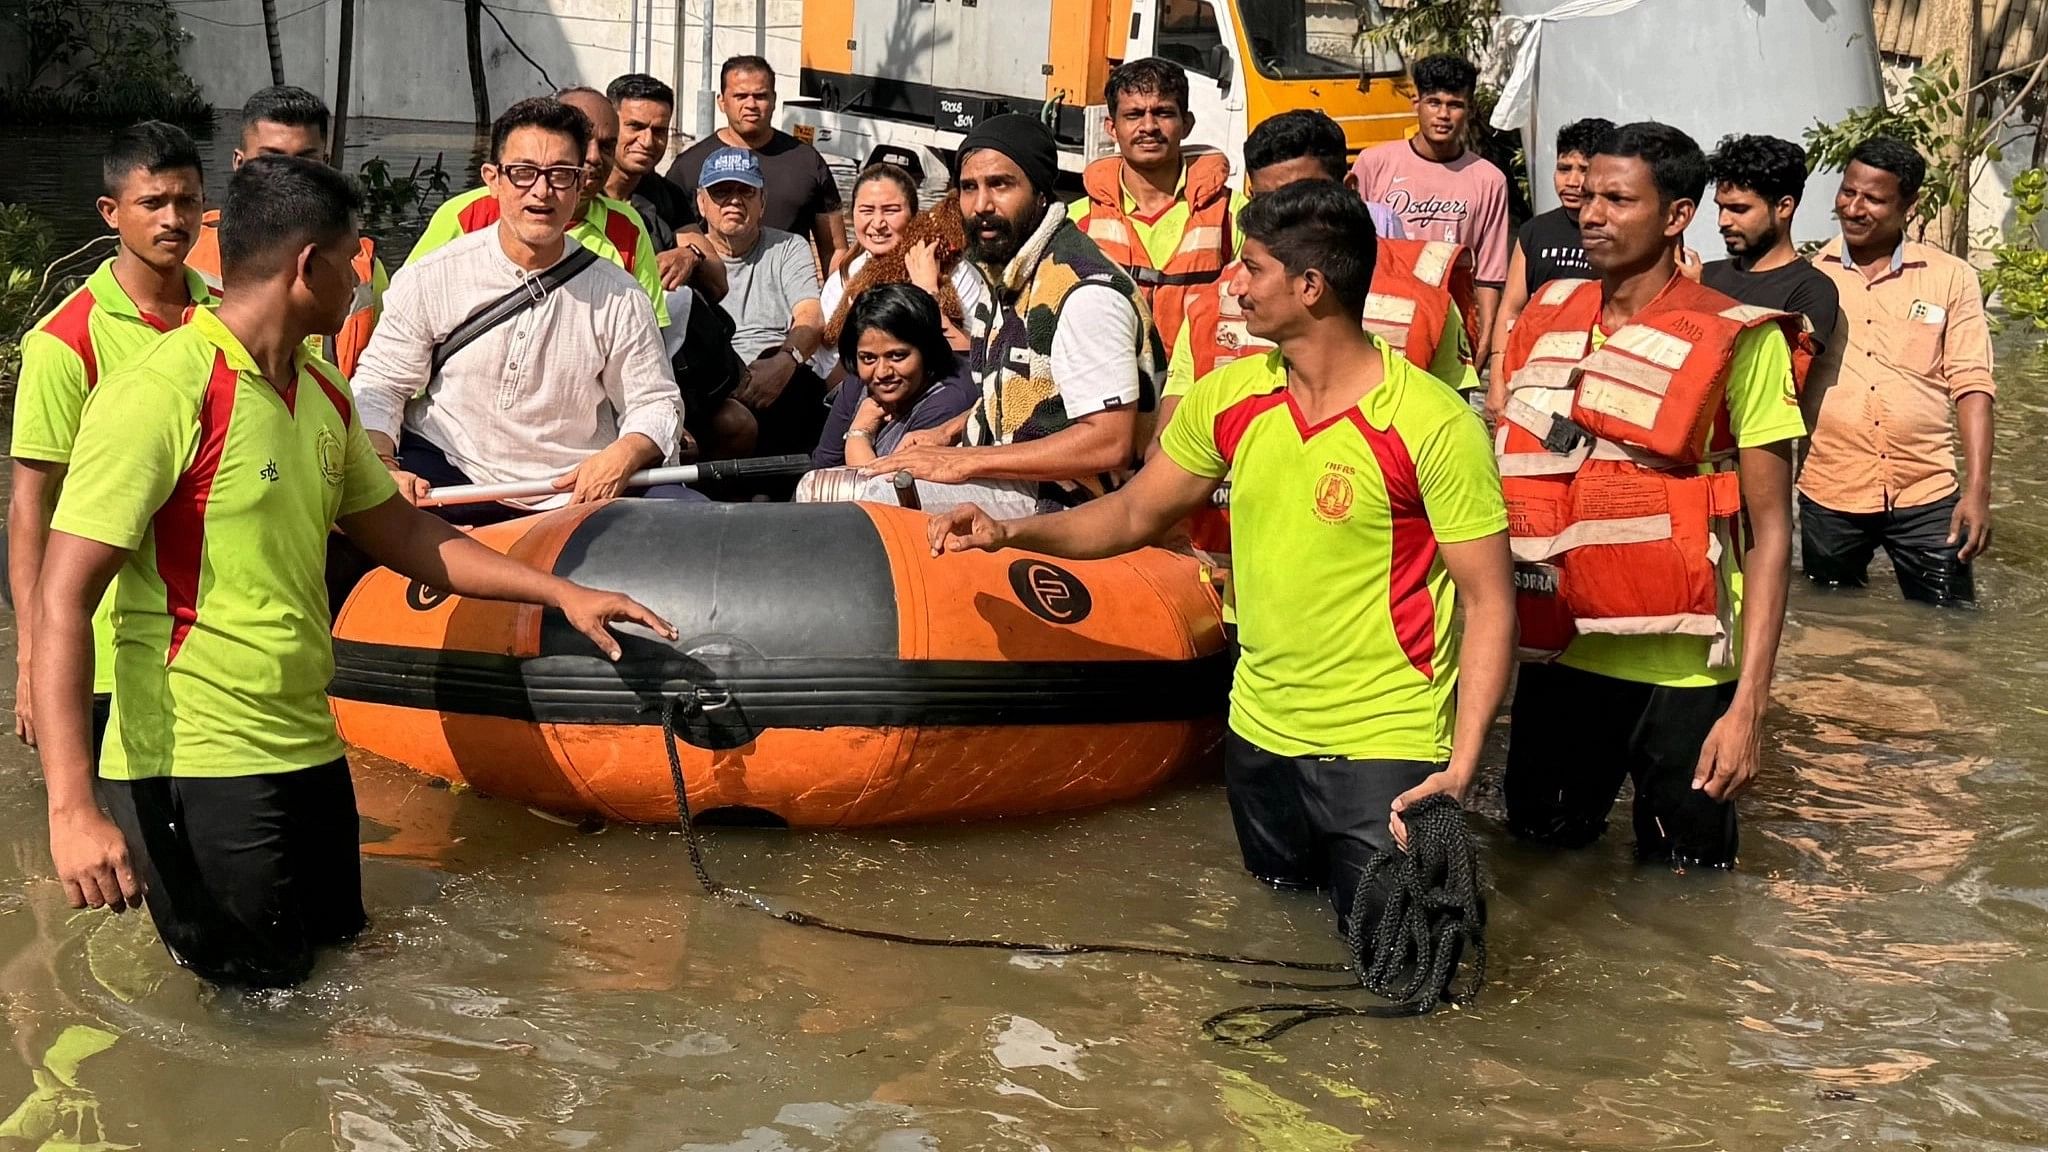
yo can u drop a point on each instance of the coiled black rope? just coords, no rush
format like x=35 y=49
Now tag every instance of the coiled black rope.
x=1412 y=918
x=1427 y=823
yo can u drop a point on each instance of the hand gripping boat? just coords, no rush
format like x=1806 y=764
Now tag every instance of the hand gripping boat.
x=830 y=670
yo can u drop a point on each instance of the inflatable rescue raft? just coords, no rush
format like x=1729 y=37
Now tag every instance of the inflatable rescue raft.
x=830 y=670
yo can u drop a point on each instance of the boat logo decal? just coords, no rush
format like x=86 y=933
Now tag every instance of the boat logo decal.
x=421 y=598
x=1050 y=592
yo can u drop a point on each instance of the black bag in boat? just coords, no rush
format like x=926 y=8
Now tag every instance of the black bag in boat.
x=707 y=369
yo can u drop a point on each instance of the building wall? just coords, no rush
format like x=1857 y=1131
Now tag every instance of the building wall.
x=410 y=60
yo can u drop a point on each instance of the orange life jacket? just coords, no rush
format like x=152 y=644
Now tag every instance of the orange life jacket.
x=343 y=348
x=1614 y=526
x=1204 y=245
x=1414 y=284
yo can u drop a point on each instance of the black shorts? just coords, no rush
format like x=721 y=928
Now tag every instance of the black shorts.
x=1575 y=736
x=245 y=875
x=1835 y=549
x=1313 y=821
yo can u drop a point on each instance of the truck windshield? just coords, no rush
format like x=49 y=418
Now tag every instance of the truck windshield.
x=1315 y=39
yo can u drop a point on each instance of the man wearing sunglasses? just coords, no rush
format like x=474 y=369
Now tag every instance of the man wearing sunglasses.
x=611 y=228
x=573 y=386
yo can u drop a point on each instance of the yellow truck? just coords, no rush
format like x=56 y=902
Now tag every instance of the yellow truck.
x=918 y=74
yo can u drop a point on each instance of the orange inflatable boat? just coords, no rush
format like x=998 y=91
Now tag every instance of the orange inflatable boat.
x=830 y=671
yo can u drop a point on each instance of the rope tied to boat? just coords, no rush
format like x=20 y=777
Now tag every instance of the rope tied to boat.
x=1411 y=917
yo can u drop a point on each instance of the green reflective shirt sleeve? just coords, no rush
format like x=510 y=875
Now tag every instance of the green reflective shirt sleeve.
x=1763 y=406
x=1189 y=439
x=1180 y=367
x=445 y=226
x=47 y=399
x=647 y=270
x=137 y=436
x=1452 y=363
x=366 y=482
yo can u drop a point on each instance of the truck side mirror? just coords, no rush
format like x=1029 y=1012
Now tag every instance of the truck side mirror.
x=1219 y=65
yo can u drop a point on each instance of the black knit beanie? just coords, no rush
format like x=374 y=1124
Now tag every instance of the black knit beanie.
x=1024 y=140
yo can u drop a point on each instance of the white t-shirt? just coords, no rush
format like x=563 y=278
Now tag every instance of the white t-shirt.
x=1095 y=350
x=967 y=284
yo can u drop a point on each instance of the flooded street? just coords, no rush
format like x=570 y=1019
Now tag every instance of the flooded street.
x=1872 y=976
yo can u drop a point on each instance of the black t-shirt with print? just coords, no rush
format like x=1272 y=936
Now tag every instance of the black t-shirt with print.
x=1551 y=250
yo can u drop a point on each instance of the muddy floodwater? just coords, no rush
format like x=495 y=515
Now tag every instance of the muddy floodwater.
x=1871 y=977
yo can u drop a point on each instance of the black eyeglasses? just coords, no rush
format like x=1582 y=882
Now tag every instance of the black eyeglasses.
x=561 y=177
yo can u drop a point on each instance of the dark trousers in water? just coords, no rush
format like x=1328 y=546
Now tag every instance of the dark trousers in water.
x=1313 y=821
x=246 y=875
x=1575 y=736
x=1835 y=549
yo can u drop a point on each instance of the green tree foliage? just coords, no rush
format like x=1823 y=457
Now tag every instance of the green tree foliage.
x=2018 y=275
x=395 y=203
x=99 y=61
x=31 y=282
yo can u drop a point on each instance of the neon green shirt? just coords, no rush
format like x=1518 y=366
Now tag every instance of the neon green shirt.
x=222 y=491
x=96 y=330
x=1346 y=614
x=1763 y=409
x=611 y=228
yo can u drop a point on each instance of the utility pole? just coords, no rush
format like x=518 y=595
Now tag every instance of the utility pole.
x=707 y=95
x=271 y=41
x=760 y=27
x=345 y=54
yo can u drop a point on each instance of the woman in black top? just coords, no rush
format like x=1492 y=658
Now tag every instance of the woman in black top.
x=1547 y=247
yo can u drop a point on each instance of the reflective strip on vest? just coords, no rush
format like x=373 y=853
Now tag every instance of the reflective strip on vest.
x=1391 y=318
x=1107 y=230
x=1435 y=262
x=1629 y=530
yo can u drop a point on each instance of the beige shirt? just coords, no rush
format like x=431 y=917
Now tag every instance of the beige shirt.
x=1911 y=342
x=533 y=397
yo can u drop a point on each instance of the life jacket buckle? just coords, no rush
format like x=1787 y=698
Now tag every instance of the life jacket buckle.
x=1565 y=436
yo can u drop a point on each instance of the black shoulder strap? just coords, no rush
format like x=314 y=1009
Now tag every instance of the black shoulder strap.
x=529 y=293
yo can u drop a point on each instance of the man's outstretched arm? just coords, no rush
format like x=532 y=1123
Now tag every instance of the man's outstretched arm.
x=1162 y=494
x=428 y=549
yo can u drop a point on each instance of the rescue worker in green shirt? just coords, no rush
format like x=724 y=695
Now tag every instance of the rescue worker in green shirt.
x=611 y=228
x=154 y=192
x=208 y=473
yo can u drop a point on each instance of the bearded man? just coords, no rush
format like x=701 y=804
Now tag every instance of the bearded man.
x=1069 y=370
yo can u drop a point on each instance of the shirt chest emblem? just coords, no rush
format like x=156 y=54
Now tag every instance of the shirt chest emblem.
x=269 y=471
x=1334 y=494
x=327 y=447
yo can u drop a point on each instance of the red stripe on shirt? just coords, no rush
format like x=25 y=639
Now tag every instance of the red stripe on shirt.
x=1408 y=600
x=72 y=324
x=336 y=397
x=1232 y=423
x=481 y=214
x=180 y=525
x=624 y=234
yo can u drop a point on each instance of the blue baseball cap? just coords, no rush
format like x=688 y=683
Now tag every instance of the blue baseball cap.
x=731 y=166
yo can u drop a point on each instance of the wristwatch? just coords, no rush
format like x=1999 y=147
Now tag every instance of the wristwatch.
x=794 y=355
x=858 y=434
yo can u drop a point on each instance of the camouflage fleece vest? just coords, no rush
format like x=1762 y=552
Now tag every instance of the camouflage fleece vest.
x=1020 y=400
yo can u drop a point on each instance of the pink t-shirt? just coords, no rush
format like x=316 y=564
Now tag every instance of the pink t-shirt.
x=1462 y=202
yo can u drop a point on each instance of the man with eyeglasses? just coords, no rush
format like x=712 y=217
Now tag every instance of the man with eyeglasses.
x=611 y=228
x=574 y=387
